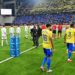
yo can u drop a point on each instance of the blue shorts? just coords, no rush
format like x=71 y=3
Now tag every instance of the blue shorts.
x=70 y=47
x=48 y=52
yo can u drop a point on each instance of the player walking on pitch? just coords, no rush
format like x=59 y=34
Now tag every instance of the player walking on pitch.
x=18 y=31
x=59 y=31
x=47 y=47
x=4 y=35
x=11 y=31
x=54 y=31
x=26 y=31
x=69 y=39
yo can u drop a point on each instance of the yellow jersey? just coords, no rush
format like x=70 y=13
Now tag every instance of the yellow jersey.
x=46 y=35
x=70 y=35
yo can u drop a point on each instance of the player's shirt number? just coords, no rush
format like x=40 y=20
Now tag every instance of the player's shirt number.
x=69 y=35
x=44 y=37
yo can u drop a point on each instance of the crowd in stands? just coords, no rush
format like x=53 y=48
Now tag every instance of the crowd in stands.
x=51 y=6
x=25 y=16
x=23 y=10
x=24 y=7
x=44 y=18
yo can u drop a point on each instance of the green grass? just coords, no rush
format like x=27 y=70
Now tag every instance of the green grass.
x=29 y=63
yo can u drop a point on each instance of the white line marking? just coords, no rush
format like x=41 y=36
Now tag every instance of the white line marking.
x=27 y=50
x=5 y=60
x=20 y=53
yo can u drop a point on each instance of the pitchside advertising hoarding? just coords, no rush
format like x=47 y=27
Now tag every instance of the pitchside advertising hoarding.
x=5 y=12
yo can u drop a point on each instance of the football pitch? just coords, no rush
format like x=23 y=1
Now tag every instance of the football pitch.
x=29 y=62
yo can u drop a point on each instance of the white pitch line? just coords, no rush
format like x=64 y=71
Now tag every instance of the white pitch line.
x=27 y=50
x=20 y=53
x=5 y=60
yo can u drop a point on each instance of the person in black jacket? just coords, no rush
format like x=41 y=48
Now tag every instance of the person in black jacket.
x=34 y=34
x=39 y=32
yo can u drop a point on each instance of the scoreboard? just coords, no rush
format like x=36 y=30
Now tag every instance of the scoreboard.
x=5 y=12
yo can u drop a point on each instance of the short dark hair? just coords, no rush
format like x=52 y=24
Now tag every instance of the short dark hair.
x=72 y=25
x=48 y=25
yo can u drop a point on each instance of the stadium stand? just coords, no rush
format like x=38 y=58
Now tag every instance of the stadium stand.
x=48 y=12
x=44 y=18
